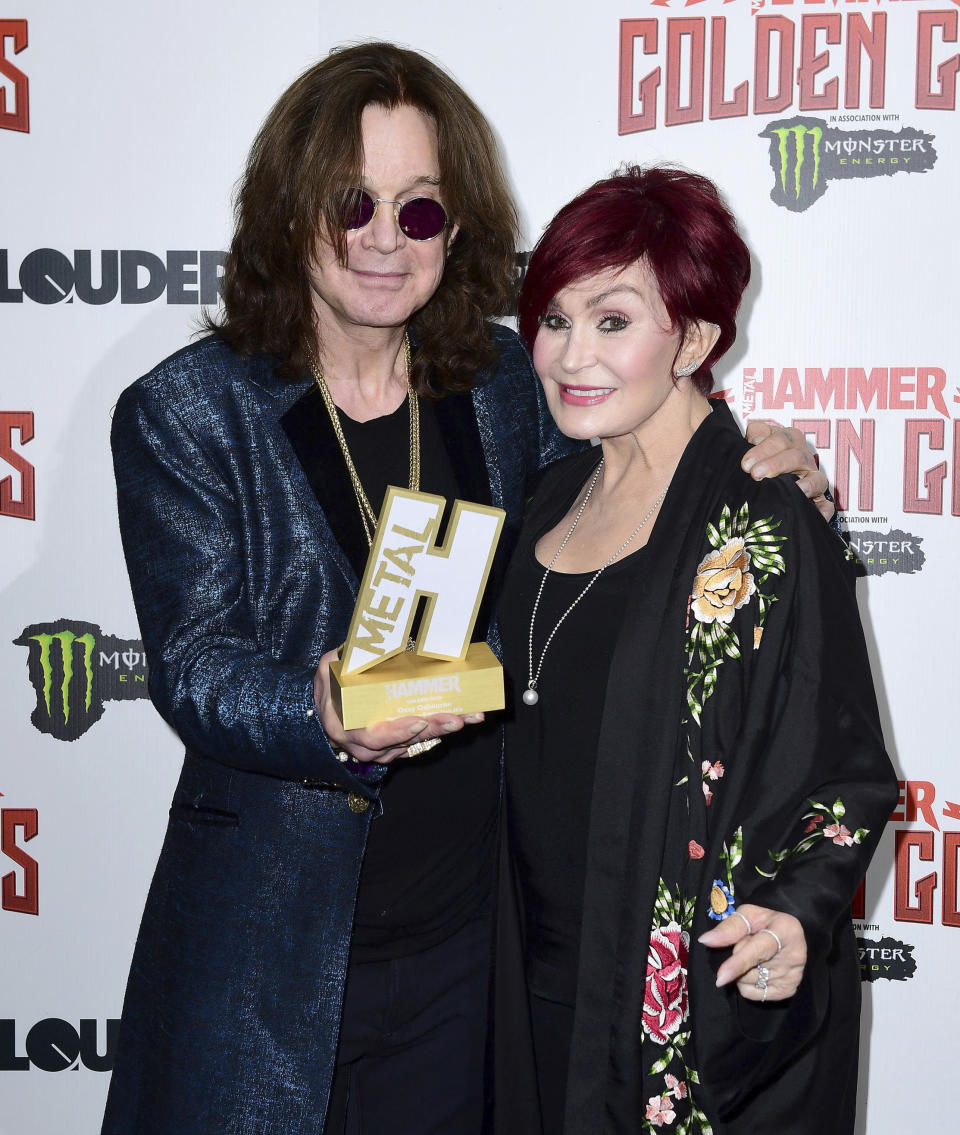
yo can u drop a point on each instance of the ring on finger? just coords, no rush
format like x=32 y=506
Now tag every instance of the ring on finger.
x=776 y=937
x=763 y=977
x=746 y=921
x=419 y=747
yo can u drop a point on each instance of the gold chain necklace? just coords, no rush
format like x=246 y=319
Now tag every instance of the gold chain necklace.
x=367 y=515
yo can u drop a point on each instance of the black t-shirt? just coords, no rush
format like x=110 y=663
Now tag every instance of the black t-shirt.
x=552 y=746
x=428 y=866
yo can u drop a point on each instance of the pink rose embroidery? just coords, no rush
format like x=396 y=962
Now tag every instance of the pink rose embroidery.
x=707 y=792
x=695 y=850
x=665 y=1002
x=711 y=771
x=840 y=835
x=660 y=1110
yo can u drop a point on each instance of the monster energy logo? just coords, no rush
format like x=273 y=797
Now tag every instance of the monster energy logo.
x=66 y=640
x=806 y=154
x=799 y=134
x=877 y=553
x=74 y=668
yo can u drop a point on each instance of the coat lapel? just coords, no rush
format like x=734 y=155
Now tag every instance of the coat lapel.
x=631 y=800
x=308 y=429
x=310 y=434
x=457 y=419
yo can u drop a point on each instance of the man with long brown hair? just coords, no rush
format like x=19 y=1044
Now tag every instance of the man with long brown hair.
x=304 y=898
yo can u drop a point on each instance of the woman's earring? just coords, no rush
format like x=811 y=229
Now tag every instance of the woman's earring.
x=686 y=370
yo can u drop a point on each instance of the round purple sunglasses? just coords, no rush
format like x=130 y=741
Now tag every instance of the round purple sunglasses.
x=420 y=218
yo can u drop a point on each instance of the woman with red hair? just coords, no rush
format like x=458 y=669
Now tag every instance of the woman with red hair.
x=696 y=777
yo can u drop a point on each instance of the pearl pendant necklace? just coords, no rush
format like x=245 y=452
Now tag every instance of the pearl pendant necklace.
x=530 y=694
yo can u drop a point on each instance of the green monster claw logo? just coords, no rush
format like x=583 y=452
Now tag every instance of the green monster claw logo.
x=74 y=668
x=799 y=134
x=66 y=640
x=807 y=154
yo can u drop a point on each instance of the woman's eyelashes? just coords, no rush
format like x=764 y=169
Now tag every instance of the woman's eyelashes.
x=553 y=321
x=606 y=324
x=612 y=322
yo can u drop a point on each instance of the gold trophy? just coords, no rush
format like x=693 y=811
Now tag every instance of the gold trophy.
x=380 y=674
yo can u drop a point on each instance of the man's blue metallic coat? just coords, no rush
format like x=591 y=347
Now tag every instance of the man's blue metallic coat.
x=231 y=1013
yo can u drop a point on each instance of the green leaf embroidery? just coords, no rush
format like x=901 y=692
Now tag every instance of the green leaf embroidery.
x=816 y=831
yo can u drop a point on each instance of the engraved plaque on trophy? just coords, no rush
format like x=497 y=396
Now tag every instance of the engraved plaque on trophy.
x=377 y=676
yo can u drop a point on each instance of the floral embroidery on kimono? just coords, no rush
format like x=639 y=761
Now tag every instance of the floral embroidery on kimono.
x=666 y=1007
x=746 y=555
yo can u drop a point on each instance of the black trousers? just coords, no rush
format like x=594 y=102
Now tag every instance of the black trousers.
x=412 y=1042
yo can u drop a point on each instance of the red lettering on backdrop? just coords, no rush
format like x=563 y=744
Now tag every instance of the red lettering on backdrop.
x=694 y=30
x=945 y=97
x=862 y=390
x=913 y=901
x=812 y=63
x=646 y=31
x=931 y=384
x=916 y=799
x=903 y=909
x=27 y=900
x=897 y=814
x=19 y=117
x=774 y=56
x=955 y=495
x=24 y=506
x=763 y=101
x=816 y=428
x=874 y=43
x=859 y=446
x=823 y=388
x=862 y=448
x=951 y=906
x=719 y=106
x=932 y=503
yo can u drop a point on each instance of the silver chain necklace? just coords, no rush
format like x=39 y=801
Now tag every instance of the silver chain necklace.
x=530 y=695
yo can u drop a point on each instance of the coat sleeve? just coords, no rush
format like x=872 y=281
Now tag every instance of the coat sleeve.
x=806 y=790
x=209 y=677
x=823 y=782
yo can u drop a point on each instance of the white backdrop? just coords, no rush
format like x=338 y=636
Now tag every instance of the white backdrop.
x=122 y=130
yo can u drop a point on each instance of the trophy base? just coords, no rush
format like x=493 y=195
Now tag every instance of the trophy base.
x=408 y=685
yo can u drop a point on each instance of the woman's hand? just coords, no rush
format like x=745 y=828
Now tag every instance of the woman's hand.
x=753 y=931
x=387 y=740
x=778 y=450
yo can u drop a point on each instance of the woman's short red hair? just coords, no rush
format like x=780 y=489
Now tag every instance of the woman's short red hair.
x=676 y=222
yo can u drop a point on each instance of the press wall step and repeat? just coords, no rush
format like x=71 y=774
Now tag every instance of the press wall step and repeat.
x=830 y=126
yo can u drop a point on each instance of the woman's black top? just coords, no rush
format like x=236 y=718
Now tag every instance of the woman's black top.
x=551 y=746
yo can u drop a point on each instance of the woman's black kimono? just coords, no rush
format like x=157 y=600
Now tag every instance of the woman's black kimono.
x=740 y=760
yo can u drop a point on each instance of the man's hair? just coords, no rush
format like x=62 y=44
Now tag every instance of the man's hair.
x=308 y=151
x=675 y=222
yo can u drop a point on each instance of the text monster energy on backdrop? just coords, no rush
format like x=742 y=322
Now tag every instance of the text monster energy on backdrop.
x=806 y=154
